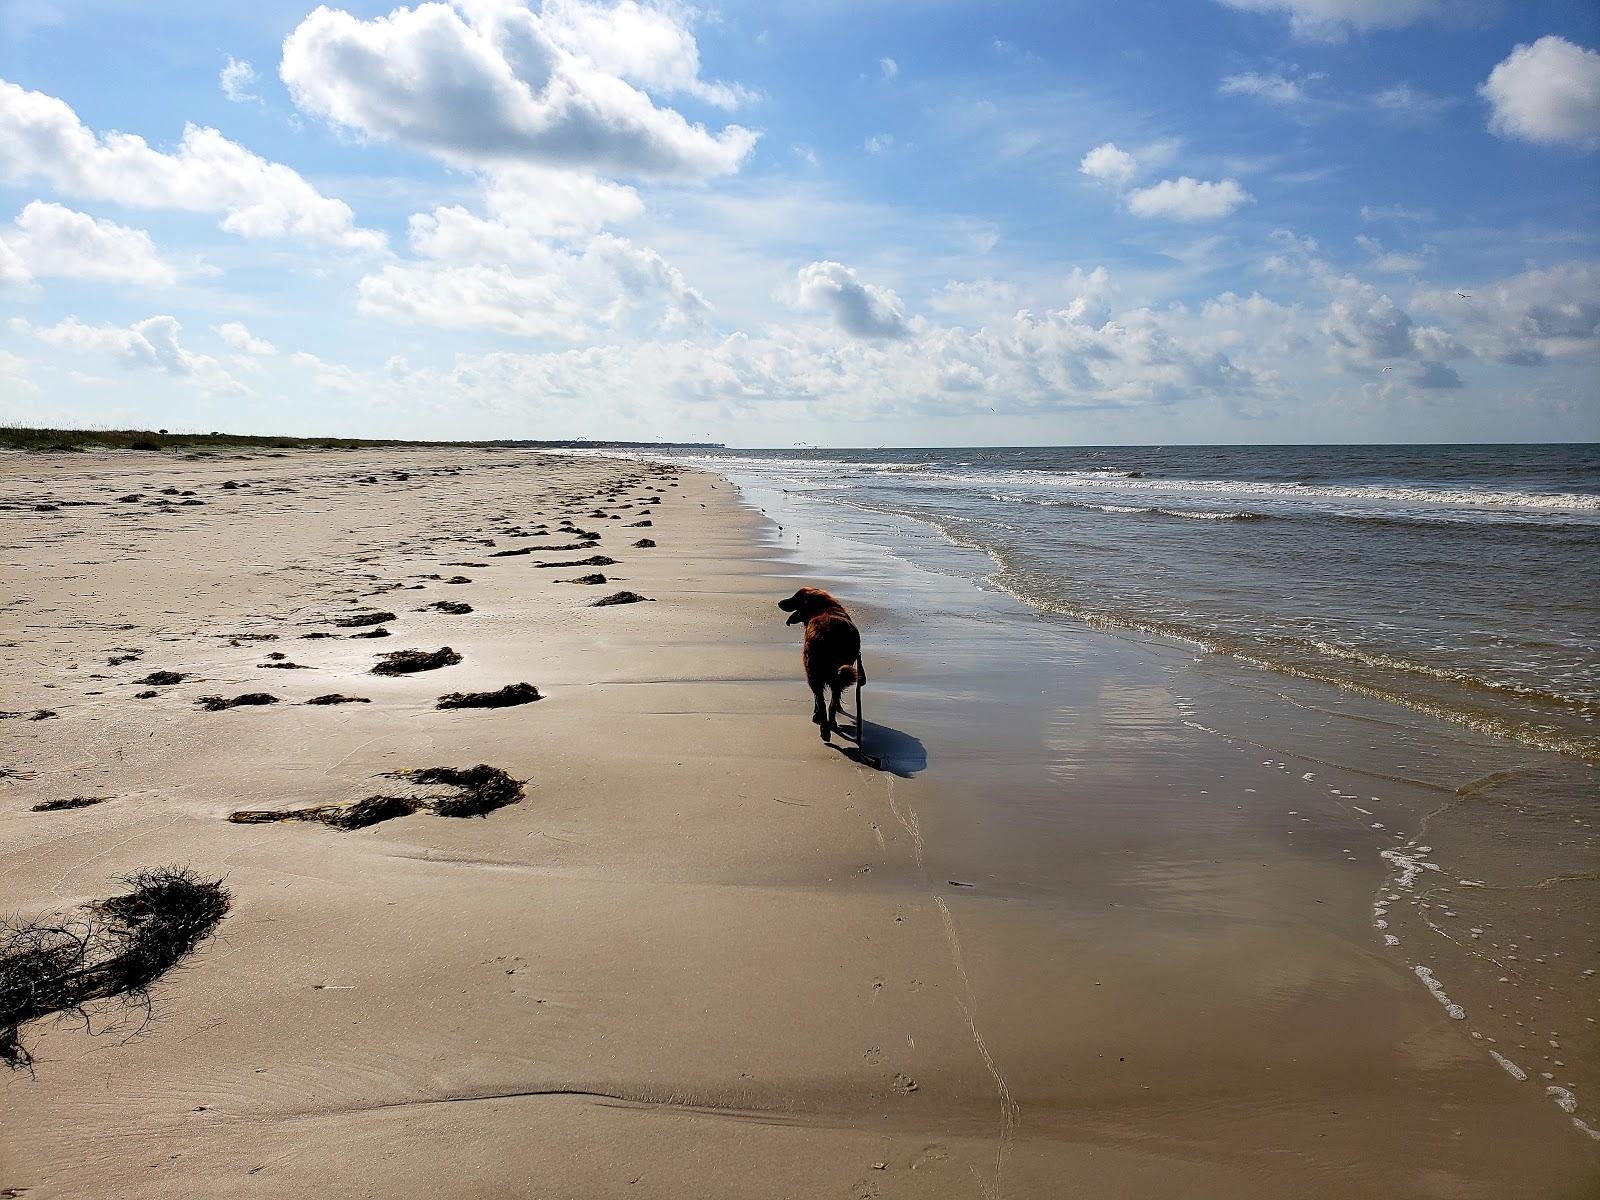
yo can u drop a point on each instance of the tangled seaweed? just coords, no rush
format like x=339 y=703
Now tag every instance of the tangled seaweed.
x=74 y=802
x=620 y=598
x=405 y=662
x=361 y=620
x=113 y=950
x=507 y=697
x=218 y=703
x=477 y=791
x=598 y=560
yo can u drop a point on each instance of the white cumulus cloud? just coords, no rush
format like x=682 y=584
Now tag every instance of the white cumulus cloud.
x=1110 y=164
x=1186 y=199
x=241 y=341
x=1527 y=320
x=491 y=276
x=41 y=138
x=52 y=240
x=493 y=82
x=860 y=309
x=152 y=343
x=1546 y=92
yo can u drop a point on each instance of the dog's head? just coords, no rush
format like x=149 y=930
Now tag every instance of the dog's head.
x=803 y=604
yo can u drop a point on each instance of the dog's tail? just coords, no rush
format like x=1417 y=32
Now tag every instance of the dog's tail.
x=851 y=676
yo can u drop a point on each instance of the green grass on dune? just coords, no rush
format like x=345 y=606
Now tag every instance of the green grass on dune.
x=28 y=438
x=38 y=441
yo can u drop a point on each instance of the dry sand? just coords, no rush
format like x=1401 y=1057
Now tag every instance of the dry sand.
x=704 y=955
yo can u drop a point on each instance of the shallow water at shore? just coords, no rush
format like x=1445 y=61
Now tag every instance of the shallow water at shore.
x=1452 y=580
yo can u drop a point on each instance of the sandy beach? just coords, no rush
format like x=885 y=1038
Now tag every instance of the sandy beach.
x=1078 y=936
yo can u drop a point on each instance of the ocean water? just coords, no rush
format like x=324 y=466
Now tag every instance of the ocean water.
x=1460 y=581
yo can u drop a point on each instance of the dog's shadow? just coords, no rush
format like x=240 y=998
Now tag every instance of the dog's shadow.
x=890 y=750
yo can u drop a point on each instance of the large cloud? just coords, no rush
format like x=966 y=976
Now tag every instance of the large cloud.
x=860 y=309
x=1082 y=350
x=485 y=275
x=152 y=343
x=1546 y=92
x=1543 y=314
x=493 y=82
x=41 y=138
x=52 y=240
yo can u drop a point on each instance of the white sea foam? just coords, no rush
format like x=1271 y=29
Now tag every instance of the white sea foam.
x=1409 y=863
x=1426 y=497
x=1512 y=1069
x=1455 y=1011
x=1565 y=1100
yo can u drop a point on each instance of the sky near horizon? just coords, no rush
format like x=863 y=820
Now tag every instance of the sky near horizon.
x=918 y=223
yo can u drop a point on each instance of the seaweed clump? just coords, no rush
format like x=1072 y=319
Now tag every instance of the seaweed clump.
x=620 y=598
x=406 y=662
x=479 y=790
x=371 y=811
x=507 y=697
x=476 y=791
x=113 y=950
x=218 y=703
x=360 y=620
x=74 y=802
x=598 y=560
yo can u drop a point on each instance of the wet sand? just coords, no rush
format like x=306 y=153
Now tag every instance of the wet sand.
x=1074 y=939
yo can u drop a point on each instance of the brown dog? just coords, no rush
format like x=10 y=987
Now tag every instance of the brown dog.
x=832 y=653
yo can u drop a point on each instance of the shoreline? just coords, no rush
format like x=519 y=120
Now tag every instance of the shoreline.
x=703 y=956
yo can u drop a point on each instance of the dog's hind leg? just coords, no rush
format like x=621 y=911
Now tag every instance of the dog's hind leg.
x=819 y=711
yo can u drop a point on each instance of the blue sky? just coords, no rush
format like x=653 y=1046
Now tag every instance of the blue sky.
x=847 y=224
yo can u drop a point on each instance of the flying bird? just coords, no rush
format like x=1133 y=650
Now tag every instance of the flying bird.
x=1386 y=369
x=1464 y=296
